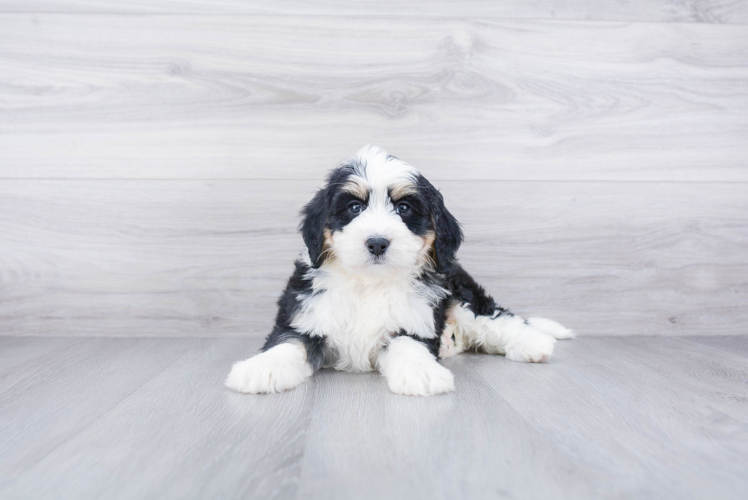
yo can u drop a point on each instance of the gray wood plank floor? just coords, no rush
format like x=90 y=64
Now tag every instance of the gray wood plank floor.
x=636 y=417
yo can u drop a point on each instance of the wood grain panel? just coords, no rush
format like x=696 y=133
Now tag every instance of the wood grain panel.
x=719 y=11
x=98 y=96
x=205 y=258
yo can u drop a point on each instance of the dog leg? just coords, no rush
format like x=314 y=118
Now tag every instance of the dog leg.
x=478 y=323
x=507 y=334
x=278 y=369
x=411 y=370
x=513 y=337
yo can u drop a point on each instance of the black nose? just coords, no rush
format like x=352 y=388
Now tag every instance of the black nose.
x=377 y=246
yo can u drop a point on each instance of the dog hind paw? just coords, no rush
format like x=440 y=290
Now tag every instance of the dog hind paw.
x=552 y=328
x=532 y=346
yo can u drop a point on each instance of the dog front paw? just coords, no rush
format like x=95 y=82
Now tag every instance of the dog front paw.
x=421 y=380
x=531 y=346
x=278 y=369
x=411 y=370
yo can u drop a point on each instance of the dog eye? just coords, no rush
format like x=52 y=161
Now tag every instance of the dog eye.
x=354 y=207
x=402 y=208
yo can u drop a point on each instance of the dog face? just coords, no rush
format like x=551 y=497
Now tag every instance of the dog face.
x=379 y=216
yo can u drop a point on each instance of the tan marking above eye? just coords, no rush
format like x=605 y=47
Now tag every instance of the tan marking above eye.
x=402 y=189
x=425 y=256
x=357 y=186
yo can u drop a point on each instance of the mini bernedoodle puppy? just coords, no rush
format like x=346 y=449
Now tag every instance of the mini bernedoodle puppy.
x=380 y=288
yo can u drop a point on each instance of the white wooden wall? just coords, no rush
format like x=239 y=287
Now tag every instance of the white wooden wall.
x=154 y=154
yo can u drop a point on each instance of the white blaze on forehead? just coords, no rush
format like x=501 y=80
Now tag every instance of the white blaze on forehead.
x=381 y=171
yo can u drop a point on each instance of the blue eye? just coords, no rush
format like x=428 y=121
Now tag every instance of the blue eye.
x=402 y=208
x=355 y=207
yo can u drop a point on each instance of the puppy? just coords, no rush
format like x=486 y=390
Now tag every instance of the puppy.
x=380 y=288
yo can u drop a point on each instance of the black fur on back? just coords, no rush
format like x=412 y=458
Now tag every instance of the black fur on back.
x=465 y=290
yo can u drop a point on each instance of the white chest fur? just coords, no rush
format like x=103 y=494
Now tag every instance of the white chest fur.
x=358 y=316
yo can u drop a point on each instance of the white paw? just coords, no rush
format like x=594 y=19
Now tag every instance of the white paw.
x=550 y=327
x=422 y=380
x=411 y=370
x=531 y=346
x=278 y=369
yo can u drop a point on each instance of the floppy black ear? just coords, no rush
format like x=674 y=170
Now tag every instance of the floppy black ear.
x=448 y=236
x=312 y=226
x=448 y=230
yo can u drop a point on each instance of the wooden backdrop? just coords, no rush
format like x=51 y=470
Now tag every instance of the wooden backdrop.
x=154 y=154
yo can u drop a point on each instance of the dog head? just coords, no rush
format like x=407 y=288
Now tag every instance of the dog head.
x=379 y=216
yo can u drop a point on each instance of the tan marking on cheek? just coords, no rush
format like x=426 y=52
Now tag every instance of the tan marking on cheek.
x=328 y=254
x=357 y=187
x=401 y=189
x=426 y=255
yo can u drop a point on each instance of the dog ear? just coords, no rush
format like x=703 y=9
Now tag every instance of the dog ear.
x=312 y=226
x=448 y=236
x=448 y=230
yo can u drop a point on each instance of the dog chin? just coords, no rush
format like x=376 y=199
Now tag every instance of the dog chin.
x=377 y=268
